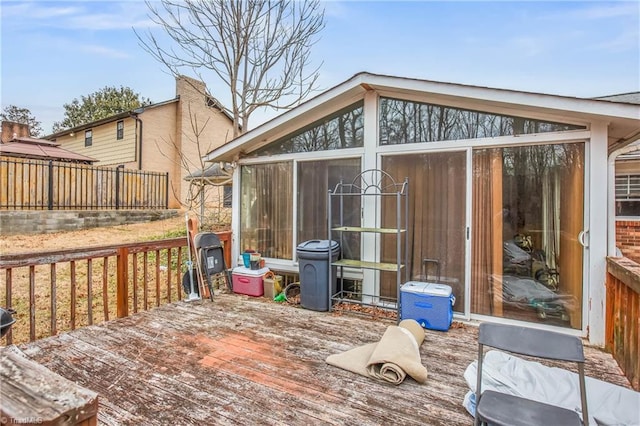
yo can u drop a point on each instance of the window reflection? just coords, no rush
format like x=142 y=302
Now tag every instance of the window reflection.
x=404 y=122
x=338 y=131
x=528 y=212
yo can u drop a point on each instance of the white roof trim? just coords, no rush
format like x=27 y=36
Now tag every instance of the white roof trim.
x=598 y=109
x=530 y=99
x=284 y=118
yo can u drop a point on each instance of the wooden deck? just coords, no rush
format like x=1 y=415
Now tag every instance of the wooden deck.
x=242 y=360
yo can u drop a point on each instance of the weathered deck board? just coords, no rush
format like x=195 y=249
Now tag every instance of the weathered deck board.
x=33 y=394
x=241 y=360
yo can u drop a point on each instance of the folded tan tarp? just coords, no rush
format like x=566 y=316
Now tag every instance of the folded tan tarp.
x=395 y=356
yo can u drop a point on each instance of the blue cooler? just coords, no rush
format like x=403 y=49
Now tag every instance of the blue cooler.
x=428 y=303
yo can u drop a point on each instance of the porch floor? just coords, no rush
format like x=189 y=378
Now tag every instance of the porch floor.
x=244 y=360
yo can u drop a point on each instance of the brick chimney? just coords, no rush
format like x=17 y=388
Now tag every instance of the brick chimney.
x=12 y=130
x=190 y=87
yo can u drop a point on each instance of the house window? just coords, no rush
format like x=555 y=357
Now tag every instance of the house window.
x=120 y=129
x=88 y=137
x=344 y=129
x=404 y=122
x=437 y=181
x=628 y=195
x=315 y=179
x=227 y=195
x=526 y=262
x=266 y=206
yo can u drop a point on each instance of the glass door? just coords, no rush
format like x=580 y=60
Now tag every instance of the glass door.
x=437 y=219
x=527 y=215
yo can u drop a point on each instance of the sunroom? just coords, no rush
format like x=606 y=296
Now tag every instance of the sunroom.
x=508 y=191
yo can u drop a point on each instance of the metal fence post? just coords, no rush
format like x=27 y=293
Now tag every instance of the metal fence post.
x=121 y=166
x=166 y=190
x=50 y=191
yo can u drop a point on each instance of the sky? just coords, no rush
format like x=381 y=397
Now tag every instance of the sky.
x=53 y=52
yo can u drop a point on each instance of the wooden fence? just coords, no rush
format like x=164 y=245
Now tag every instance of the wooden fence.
x=62 y=290
x=53 y=185
x=623 y=316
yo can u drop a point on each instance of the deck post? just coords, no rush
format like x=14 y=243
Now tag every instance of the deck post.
x=122 y=284
x=225 y=239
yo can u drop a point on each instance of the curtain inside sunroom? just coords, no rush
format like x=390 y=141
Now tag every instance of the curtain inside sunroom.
x=487 y=233
x=315 y=179
x=266 y=209
x=437 y=206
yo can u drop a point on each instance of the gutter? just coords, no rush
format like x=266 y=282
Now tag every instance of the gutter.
x=611 y=195
x=138 y=120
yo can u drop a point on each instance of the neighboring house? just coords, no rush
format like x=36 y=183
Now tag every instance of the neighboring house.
x=168 y=136
x=508 y=190
x=628 y=184
x=40 y=149
x=16 y=142
x=627 y=175
x=627 y=168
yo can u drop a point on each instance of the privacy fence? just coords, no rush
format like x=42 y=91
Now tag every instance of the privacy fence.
x=52 y=185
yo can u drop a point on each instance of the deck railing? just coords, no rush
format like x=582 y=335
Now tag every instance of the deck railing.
x=623 y=316
x=62 y=290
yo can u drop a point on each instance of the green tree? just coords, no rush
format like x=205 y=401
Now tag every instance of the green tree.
x=23 y=116
x=259 y=49
x=106 y=102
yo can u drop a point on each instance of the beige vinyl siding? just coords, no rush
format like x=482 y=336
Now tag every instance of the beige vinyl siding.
x=106 y=148
x=168 y=143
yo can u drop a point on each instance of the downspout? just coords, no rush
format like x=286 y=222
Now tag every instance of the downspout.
x=139 y=121
x=611 y=196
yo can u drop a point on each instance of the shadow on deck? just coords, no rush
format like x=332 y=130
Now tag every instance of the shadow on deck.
x=241 y=360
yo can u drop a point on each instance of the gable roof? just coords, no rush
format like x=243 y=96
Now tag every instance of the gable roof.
x=626 y=116
x=110 y=119
x=214 y=174
x=627 y=98
x=40 y=149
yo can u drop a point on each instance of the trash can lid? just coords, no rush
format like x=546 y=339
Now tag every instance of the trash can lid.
x=318 y=246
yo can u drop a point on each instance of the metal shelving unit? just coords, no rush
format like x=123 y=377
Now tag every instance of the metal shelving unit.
x=370 y=183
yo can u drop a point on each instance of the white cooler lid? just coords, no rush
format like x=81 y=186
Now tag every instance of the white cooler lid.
x=248 y=271
x=431 y=289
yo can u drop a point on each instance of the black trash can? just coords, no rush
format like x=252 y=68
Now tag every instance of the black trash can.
x=313 y=265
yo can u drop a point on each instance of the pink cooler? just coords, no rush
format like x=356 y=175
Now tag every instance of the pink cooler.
x=248 y=281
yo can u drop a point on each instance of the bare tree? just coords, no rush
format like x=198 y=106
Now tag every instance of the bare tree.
x=260 y=49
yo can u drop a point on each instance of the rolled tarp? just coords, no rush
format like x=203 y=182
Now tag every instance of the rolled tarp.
x=391 y=359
